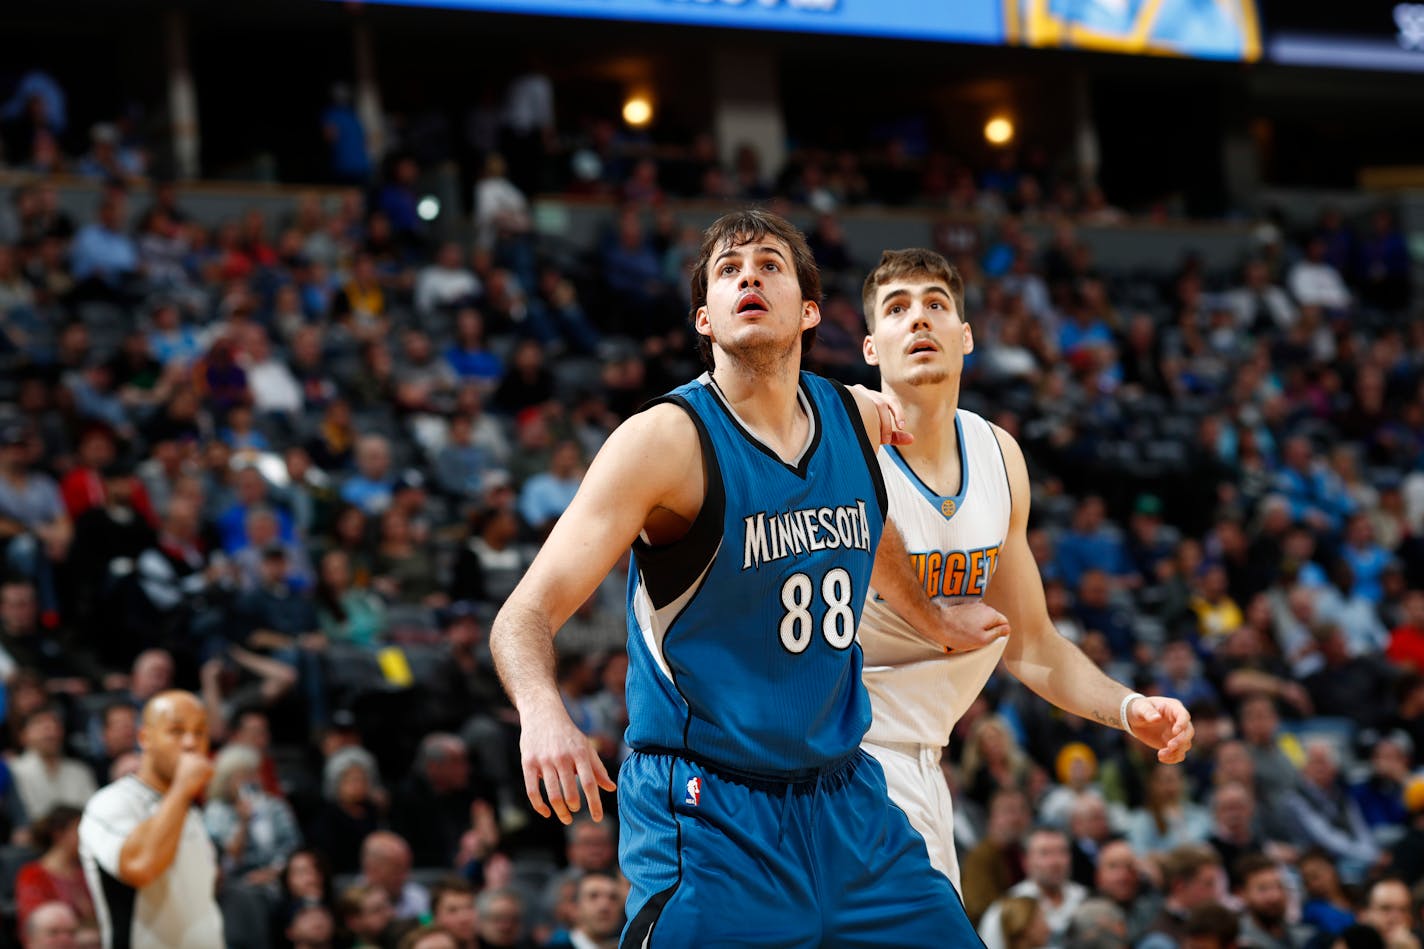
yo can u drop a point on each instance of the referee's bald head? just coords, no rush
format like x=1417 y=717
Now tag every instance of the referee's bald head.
x=175 y=703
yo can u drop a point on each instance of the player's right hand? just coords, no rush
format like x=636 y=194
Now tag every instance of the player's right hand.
x=970 y=624
x=192 y=774
x=555 y=752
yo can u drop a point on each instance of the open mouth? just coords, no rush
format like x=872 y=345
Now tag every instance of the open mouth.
x=751 y=303
x=923 y=345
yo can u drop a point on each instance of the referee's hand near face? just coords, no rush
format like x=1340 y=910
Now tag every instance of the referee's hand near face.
x=146 y=853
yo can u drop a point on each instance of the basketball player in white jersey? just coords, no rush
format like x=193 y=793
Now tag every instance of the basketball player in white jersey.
x=960 y=495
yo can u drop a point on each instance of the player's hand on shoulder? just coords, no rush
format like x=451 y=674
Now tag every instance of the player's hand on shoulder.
x=888 y=413
x=971 y=624
x=1164 y=724
x=555 y=753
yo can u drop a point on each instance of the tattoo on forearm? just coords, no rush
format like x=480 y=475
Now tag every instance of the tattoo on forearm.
x=1103 y=718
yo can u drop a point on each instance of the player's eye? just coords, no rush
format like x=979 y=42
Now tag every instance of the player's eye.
x=728 y=269
x=770 y=265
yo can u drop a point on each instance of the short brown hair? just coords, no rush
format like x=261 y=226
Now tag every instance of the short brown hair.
x=738 y=228
x=451 y=885
x=1248 y=865
x=1184 y=862
x=911 y=262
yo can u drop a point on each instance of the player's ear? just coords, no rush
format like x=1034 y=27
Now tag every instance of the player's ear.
x=867 y=349
x=701 y=322
x=810 y=314
x=968 y=340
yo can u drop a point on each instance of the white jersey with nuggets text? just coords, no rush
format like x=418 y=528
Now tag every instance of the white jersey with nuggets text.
x=917 y=691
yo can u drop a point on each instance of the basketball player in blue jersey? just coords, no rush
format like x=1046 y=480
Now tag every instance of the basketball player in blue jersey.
x=960 y=497
x=754 y=505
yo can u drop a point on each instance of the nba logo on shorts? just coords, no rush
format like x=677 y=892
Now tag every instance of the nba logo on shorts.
x=694 y=792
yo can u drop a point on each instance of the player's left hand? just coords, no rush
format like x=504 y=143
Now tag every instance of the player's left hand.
x=1162 y=723
x=892 y=417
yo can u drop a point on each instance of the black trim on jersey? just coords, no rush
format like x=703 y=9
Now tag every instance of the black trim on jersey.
x=670 y=569
x=119 y=898
x=804 y=462
x=640 y=930
x=1008 y=482
x=877 y=477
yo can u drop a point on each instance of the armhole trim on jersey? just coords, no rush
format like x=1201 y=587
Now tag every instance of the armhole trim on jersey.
x=118 y=900
x=640 y=931
x=669 y=570
x=877 y=477
x=1004 y=462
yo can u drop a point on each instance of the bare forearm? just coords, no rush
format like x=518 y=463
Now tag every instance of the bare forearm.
x=1061 y=674
x=895 y=581
x=150 y=849
x=522 y=644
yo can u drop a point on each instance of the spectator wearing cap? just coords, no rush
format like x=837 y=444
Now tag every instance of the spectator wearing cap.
x=546 y=495
x=264 y=533
x=353 y=807
x=274 y=618
x=1149 y=540
x=370 y=488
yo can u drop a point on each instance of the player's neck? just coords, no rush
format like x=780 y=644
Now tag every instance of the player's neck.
x=149 y=776
x=929 y=416
x=766 y=402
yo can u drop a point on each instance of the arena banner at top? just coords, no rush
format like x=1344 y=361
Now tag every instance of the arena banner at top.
x=1209 y=29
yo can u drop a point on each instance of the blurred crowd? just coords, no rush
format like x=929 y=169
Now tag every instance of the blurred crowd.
x=296 y=465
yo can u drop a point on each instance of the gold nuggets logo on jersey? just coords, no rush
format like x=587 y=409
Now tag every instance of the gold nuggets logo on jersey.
x=947 y=507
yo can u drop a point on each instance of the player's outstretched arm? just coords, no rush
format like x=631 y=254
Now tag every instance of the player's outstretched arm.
x=1053 y=667
x=648 y=472
x=956 y=627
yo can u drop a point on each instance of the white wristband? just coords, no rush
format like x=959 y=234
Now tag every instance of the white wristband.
x=1122 y=710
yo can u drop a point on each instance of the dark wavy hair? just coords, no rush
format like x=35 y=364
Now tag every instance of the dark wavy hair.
x=747 y=226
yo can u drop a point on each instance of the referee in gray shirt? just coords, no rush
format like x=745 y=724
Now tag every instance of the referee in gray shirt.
x=147 y=858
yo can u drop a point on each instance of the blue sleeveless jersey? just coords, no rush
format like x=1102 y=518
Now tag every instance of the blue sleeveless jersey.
x=742 y=648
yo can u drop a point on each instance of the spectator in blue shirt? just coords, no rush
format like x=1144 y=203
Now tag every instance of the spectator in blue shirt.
x=547 y=494
x=251 y=491
x=170 y=340
x=346 y=137
x=1366 y=558
x=1092 y=542
x=103 y=252
x=371 y=487
x=468 y=355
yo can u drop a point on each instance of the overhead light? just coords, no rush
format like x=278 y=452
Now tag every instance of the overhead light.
x=999 y=130
x=638 y=111
x=428 y=208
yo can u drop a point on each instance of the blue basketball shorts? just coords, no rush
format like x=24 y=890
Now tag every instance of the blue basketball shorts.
x=722 y=860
